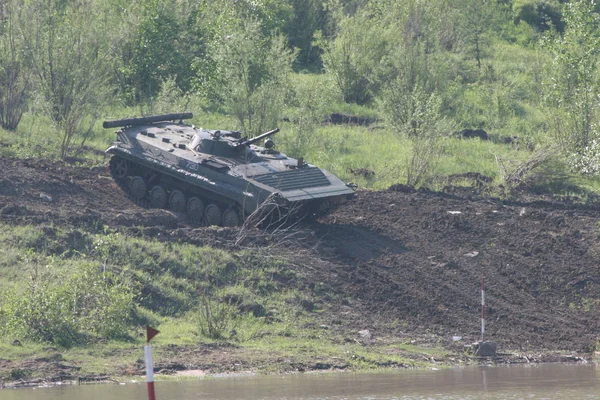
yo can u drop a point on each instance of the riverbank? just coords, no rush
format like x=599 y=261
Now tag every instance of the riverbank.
x=111 y=364
x=388 y=281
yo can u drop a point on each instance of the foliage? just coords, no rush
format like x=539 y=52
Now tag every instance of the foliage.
x=308 y=18
x=587 y=160
x=170 y=97
x=252 y=77
x=352 y=56
x=216 y=318
x=476 y=21
x=309 y=105
x=543 y=15
x=63 y=308
x=14 y=76
x=413 y=109
x=168 y=37
x=573 y=85
x=405 y=98
x=417 y=116
x=153 y=58
x=68 y=50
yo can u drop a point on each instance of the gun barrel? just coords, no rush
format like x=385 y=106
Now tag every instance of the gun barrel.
x=259 y=137
x=146 y=120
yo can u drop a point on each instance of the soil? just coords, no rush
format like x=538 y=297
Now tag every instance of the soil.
x=400 y=263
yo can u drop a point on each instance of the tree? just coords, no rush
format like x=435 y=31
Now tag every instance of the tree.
x=14 y=74
x=166 y=39
x=252 y=76
x=573 y=82
x=309 y=105
x=308 y=18
x=477 y=18
x=414 y=112
x=353 y=56
x=69 y=50
x=540 y=14
x=412 y=106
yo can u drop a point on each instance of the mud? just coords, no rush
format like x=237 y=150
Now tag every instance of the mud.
x=399 y=262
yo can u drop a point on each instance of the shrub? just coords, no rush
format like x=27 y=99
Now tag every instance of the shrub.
x=68 y=46
x=587 y=160
x=572 y=80
x=251 y=77
x=354 y=55
x=539 y=14
x=65 y=308
x=310 y=103
x=15 y=77
x=415 y=114
x=216 y=318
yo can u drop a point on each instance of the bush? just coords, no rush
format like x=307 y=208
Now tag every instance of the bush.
x=572 y=79
x=539 y=14
x=251 y=77
x=415 y=114
x=15 y=78
x=67 y=45
x=310 y=104
x=587 y=160
x=216 y=318
x=67 y=308
x=354 y=57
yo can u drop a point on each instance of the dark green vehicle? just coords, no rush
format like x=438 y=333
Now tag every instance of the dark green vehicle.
x=216 y=177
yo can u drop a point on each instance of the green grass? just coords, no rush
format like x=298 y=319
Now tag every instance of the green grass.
x=504 y=97
x=341 y=149
x=169 y=279
x=475 y=155
x=504 y=107
x=176 y=272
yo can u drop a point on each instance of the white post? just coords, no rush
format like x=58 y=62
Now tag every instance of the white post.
x=482 y=309
x=149 y=372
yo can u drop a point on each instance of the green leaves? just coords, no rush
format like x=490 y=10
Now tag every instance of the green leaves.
x=167 y=38
x=572 y=87
x=66 y=308
x=252 y=76
x=542 y=15
x=69 y=54
x=15 y=77
x=353 y=57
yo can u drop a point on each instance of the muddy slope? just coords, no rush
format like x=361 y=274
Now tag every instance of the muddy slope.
x=394 y=262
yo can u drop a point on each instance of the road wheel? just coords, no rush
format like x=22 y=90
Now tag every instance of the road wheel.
x=195 y=209
x=138 y=187
x=212 y=215
x=119 y=168
x=158 y=197
x=177 y=201
x=231 y=217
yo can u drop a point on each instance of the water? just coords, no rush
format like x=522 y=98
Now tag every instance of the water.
x=537 y=382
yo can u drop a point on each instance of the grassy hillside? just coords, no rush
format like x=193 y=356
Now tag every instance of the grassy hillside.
x=414 y=75
x=378 y=92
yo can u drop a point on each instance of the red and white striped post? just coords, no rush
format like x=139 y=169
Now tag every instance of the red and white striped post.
x=150 y=333
x=482 y=309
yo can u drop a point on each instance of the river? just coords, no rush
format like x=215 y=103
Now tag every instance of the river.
x=547 y=381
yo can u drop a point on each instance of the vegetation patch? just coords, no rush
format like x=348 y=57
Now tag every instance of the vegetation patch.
x=497 y=103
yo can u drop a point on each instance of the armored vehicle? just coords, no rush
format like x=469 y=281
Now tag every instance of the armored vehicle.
x=216 y=177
